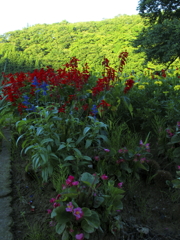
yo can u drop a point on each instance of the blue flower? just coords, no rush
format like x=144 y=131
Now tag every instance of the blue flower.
x=32 y=108
x=94 y=110
x=35 y=82
x=26 y=102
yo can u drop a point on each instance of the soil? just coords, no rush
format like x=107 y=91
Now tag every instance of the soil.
x=151 y=211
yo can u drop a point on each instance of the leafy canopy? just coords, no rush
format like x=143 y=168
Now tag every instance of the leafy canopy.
x=159 y=40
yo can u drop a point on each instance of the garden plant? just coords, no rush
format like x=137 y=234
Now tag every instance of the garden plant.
x=95 y=141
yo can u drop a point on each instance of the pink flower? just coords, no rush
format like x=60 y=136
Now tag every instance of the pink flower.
x=69 y=207
x=52 y=200
x=58 y=196
x=64 y=186
x=49 y=211
x=75 y=183
x=106 y=150
x=78 y=213
x=52 y=223
x=120 y=184
x=79 y=236
x=178 y=167
x=104 y=177
x=69 y=180
x=123 y=150
x=119 y=161
x=55 y=205
x=71 y=230
x=96 y=158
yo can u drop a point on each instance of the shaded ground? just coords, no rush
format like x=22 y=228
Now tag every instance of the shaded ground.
x=151 y=211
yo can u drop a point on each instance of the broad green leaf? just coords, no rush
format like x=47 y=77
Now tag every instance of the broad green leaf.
x=28 y=148
x=175 y=139
x=86 y=129
x=93 y=220
x=60 y=228
x=89 y=178
x=86 y=227
x=86 y=211
x=69 y=158
x=61 y=215
x=176 y=152
x=78 y=152
x=61 y=146
x=98 y=201
x=87 y=158
x=104 y=138
x=47 y=140
x=88 y=143
x=65 y=235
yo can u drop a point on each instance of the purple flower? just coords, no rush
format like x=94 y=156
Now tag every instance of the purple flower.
x=104 y=177
x=178 y=124
x=106 y=150
x=79 y=236
x=69 y=207
x=78 y=213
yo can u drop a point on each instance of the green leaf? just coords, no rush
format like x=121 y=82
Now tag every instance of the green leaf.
x=69 y=158
x=86 y=211
x=79 y=139
x=87 y=158
x=86 y=129
x=88 y=143
x=86 y=227
x=98 y=201
x=65 y=235
x=61 y=146
x=28 y=148
x=93 y=220
x=61 y=215
x=78 y=152
x=89 y=179
x=103 y=137
x=117 y=203
x=60 y=228
x=175 y=139
x=176 y=152
x=47 y=140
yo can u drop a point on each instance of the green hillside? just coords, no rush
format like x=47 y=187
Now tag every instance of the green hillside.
x=54 y=44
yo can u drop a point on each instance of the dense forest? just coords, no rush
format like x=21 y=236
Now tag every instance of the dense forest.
x=53 y=45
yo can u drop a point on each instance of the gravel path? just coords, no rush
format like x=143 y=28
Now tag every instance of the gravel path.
x=5 y=189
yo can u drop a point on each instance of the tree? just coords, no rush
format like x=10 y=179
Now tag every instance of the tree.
x=160 y=38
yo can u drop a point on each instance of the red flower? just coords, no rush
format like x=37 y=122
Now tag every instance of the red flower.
x=129 y=84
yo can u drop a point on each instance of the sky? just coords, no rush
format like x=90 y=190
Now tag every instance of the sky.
x=18 y=14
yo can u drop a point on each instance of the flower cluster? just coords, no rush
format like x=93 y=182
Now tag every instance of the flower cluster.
x=129 y=84
x=77 y=212
x=70 y=182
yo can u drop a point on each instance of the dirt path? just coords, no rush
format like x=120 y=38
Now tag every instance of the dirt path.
x=5 y=189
